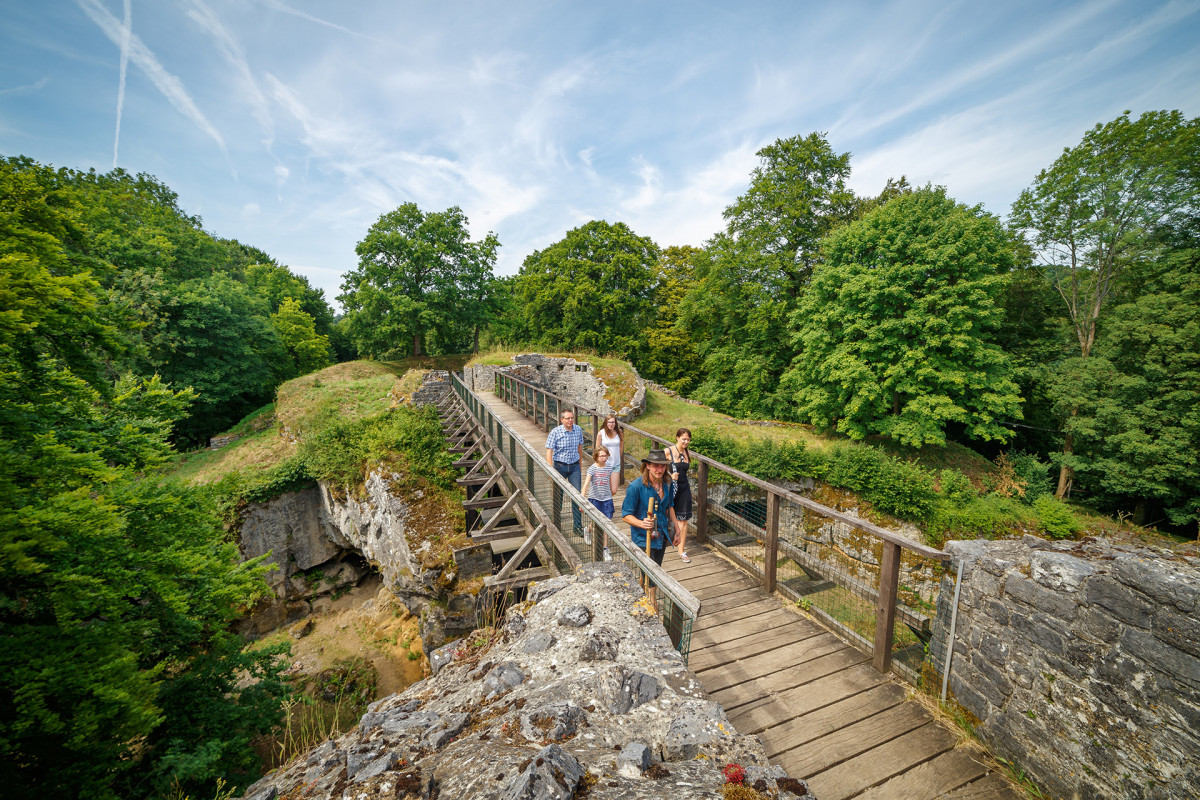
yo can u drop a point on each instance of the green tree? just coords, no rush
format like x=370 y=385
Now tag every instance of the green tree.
x=412 y=269
x=274 y=284
x=211 y=338
x=309 y=351
x=1132 y=407
x=895 y=331
x=671 y=357
x=753 y=274
x=594 y=289
x=1099 y=206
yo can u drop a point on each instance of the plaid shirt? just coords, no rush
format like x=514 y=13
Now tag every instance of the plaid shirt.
x=565 y=444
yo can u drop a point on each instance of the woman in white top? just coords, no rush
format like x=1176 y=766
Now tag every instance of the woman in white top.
x=611 y=438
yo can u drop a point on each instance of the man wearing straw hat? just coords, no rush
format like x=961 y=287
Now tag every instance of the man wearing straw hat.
x=648 y=511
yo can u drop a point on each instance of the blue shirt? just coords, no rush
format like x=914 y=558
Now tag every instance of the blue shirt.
x=565 y=444
x=637 y=496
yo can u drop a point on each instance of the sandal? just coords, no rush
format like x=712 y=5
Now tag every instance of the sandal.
x=684 y=558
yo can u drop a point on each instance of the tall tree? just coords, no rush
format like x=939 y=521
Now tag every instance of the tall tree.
x=593 y=289
x=309 y=351
x=1099 y=206
x=753 y=273
x=671 y=357
x=894 y=331
x=407 y=285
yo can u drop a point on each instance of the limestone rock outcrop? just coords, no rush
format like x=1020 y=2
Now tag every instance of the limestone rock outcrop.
x=320 y=542
x=579 y=691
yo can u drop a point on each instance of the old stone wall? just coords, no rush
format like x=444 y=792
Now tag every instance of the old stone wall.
x=573 y=380
x=579 y=694
x=1081 y=662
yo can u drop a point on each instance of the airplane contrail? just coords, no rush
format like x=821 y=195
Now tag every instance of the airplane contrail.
x=170 y=86
x=126 y=30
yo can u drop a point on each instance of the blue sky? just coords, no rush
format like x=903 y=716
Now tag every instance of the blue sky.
x=293 y=124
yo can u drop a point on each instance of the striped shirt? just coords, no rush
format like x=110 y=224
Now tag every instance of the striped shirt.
x=600 y=487
x=565 y=444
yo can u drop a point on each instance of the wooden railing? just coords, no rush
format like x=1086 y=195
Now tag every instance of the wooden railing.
x=571 y=528
x=821 y=579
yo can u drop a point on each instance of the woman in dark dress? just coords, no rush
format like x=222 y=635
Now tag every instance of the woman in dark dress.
x=681 y=459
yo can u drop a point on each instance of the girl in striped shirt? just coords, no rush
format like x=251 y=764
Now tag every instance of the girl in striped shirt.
x=598 y=487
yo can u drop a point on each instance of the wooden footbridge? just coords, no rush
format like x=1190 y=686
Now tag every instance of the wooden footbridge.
x=827 y=706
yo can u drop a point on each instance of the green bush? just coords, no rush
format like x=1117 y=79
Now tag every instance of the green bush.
x=766 y=459
x=1032 y=472
x=990 y=516
x=956 y=487
x=1056 y=519
x=893 y=486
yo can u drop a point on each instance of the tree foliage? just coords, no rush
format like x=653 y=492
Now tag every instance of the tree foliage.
x=419 y=277
x=670 y=352
x=594 y=290
x=894 y=331
x=752 y=275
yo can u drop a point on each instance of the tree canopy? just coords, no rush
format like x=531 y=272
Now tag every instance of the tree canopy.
x=594 y=289
x=419 y=276
x=894 y=330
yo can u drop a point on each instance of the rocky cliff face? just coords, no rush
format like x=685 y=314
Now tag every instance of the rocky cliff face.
x=320 y=542
x=579 y=693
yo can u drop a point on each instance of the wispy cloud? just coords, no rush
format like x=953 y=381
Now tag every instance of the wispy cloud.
x=27 y=88
x=279 y=5
x=170 y=86
x=200 y=13
x=126 y=32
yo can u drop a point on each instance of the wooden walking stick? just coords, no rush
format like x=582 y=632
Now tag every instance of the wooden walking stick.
x=651 y=509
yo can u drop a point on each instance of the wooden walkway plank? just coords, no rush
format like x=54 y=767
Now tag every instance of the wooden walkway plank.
x=948 y=771
x=762 y=642
x=831 y=718
x=992 y=787
x=769 y=711
x=877 y=764
x=853 y=740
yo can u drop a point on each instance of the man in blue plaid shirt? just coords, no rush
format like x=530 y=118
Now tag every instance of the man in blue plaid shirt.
x=564 y=452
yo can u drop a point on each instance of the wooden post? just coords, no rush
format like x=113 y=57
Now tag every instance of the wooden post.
x=595 y=434
x=702 y=502
x=771 y=542
x=885 y=606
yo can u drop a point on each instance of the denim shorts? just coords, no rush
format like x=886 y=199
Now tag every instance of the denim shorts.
x=605 y=506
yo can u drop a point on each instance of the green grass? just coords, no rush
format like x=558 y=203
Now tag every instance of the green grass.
x=665 y=415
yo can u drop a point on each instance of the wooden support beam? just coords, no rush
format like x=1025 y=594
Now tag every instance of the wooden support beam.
x=479 y=494
x=701 y=501
x=885 y=606
x=522 y=552
x=486 y=502
x=504 y=509
x=522 y=578
x=496 y=534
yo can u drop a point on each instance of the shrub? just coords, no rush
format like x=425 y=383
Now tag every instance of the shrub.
x=956 y=487
x=990 y=516
x=1033 y=472
x=1057 y=520
x=896 y=487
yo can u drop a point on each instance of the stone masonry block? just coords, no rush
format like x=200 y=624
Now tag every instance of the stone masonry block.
x=1165 y=581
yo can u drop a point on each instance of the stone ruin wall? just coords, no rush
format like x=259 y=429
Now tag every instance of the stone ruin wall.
x=1081 y=662
x=568 y=378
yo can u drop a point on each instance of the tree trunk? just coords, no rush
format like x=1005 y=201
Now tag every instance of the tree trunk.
x=416 y=344
x=475 y=345
x=1065 y=473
